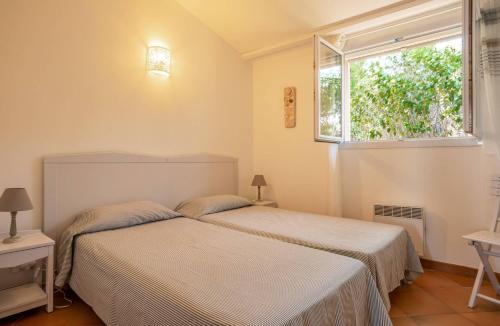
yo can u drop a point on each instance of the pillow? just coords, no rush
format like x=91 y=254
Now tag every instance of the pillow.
x=101 y=219
x=121 y=215
x=198 y=207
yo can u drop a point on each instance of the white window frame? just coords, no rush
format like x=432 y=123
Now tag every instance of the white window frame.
x=468 y=140
x=318 y=41
x=468 y=11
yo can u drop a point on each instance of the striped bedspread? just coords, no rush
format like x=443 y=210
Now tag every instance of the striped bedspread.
x=386 y=250
x=183 y=272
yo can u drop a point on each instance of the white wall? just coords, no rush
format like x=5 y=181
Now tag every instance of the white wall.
x=452 y=184
x=302 y=174
x=73 y=80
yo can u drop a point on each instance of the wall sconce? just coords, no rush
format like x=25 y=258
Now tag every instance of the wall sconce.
x=158 y=61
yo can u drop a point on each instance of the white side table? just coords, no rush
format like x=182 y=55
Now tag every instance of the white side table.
x=268 y=203
x=32 y=246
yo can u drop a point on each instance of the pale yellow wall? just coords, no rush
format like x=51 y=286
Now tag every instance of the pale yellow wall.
x=73 y=80
x=452 y=184
x=302 y=174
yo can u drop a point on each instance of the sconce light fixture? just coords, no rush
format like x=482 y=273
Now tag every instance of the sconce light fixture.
x=158 y=61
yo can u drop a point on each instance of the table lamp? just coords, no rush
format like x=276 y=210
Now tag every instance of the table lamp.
x=258 y=181
x=14 y=200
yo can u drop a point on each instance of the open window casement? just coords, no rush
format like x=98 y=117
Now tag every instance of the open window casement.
x=431 y=28
x=469 y=65
x=329 y=95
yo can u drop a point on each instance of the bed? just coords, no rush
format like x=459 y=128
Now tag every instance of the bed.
x=386 y=250
x=179 y=271
x=183 y=272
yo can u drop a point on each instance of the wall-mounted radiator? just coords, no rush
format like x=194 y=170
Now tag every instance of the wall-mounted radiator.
x=411 y=218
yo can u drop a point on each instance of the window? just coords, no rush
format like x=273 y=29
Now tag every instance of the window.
x=412 y=93
x=411 y=89
x=329 y=85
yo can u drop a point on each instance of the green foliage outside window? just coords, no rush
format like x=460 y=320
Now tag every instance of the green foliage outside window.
x=415 y=93
x=331 y=103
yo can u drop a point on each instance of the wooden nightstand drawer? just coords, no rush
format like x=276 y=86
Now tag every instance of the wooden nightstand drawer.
x=16 y=258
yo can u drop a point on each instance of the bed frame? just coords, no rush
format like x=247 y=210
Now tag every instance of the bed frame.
x=73 y=183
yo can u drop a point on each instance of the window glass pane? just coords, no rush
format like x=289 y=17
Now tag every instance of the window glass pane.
x=330 y=80
x=413 y=93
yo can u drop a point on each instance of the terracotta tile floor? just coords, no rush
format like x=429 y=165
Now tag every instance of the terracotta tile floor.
x=436 y=298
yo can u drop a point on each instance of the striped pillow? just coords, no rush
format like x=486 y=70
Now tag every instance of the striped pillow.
x=195 y=208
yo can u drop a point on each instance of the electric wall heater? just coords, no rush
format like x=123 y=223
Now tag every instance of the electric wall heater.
x=411 y=218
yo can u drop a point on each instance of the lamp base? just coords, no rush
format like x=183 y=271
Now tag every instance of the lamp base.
x=13 y=239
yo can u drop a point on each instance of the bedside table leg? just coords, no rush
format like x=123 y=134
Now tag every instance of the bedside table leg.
x=49 y=280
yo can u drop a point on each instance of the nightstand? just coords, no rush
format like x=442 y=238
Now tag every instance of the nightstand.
x=268 y=203
x=32 y=246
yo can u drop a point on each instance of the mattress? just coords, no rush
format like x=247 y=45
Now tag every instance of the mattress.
x=184 y=272
x=386 y=250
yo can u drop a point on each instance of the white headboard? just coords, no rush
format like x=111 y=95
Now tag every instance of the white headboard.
x=73 y=183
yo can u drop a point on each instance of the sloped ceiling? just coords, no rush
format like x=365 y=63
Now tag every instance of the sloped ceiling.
x=250 y=25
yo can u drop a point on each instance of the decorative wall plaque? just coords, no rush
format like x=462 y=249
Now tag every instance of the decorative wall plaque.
x=289 y=106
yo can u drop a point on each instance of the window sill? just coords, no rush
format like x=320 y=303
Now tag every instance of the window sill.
x=413 y=143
